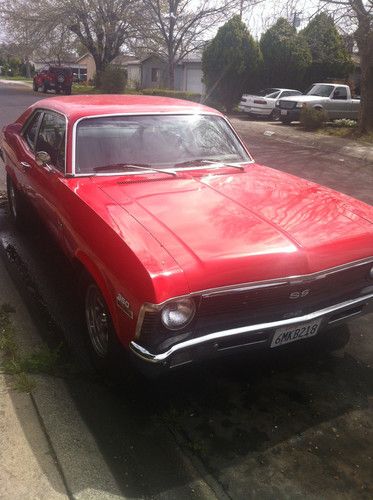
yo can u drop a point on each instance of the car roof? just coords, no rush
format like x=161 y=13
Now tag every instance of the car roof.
x=79 y=106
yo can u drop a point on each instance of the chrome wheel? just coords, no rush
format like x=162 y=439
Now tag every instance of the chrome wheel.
x=98 y=321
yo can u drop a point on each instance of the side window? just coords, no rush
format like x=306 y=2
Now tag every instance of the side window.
x=340 y=93
x=288 y=93
x=51 y=139
x=31 y=130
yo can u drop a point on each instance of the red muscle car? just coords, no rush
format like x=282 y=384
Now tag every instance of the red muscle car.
x=185 y=246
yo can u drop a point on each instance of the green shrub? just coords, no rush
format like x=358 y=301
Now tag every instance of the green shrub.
x=177 y=94
x=313 y=119
x=113 y=80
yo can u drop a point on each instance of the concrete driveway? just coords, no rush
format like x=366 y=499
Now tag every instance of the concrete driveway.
x=289 y=425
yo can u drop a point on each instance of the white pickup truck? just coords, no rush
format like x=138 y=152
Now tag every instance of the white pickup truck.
x=334 y=98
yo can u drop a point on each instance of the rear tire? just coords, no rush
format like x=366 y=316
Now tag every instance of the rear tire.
x=45 y=88
x=34 y=87
x=275 y=115
x=68 y=91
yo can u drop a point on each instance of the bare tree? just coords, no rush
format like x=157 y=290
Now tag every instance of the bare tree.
x=175 y=28
x=102 y=26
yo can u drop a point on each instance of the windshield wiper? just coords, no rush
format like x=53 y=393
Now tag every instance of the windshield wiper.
x=208 y=161
x=138 y=166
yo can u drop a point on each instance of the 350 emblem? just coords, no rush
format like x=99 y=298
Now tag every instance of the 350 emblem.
x=299 y=295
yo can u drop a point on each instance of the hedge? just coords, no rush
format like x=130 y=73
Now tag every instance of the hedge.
x=177 y=94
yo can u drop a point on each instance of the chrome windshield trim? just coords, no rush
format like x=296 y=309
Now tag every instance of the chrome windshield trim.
x=154 y=113
x=146 y=355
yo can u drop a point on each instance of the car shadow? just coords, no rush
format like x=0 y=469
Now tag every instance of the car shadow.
x=260 y=423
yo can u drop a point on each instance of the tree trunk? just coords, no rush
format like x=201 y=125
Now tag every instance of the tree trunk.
x=171 y=75
x=100 y=68
x=366 y=107
x=28 y=67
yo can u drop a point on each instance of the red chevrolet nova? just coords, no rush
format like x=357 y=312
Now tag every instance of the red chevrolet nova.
x=185 y=247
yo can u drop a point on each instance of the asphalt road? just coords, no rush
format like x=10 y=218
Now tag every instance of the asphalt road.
x=293 y=424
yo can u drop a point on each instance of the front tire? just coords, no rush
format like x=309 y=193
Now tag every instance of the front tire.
x=14 y=201
x=106 y=352
x=45 y=88
x=285 y=121
x=34 y=87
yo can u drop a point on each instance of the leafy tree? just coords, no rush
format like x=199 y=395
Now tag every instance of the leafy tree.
x=286 y=56
x=230 y=63
x=329 y=54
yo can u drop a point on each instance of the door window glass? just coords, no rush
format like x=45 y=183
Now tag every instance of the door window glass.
x=340 y=93
x=51 y=139
x=31 y=130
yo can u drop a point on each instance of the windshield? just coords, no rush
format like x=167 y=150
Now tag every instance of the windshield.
x=321 y=90
x=111 y=143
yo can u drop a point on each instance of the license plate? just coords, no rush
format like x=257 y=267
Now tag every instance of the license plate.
x=284 y=112
x=293 y=333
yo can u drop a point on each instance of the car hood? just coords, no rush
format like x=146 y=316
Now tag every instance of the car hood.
x=243 y=226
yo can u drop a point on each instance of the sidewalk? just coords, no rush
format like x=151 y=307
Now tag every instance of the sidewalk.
x=291 y=133
x=71 y=438
x=16 y=82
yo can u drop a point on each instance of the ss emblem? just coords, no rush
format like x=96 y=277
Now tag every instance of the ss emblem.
x=299 y=295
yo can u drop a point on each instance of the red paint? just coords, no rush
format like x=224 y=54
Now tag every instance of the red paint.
x=151 y=241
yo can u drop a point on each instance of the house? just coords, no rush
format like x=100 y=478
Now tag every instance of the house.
x=130 y=63
x=188 y=73
x=151 y=71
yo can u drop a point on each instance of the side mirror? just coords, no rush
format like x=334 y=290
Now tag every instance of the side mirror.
x=42 y=157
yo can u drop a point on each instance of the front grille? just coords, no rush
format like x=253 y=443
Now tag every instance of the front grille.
x=233 y=309
x=287 y=104
x=268 y=304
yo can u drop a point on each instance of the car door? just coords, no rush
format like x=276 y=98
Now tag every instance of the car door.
x=339 y=106
x=45 y=177
x=24 y=153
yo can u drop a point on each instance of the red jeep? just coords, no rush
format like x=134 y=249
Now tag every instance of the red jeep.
x=56 y=78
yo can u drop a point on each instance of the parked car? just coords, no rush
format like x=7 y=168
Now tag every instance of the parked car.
x=264 y=103
x=185 y=248
x=58 y=78
x=333 y=98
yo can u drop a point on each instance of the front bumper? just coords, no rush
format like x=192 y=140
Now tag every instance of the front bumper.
x=248 y=337
x=252 y=110
x=292 y=115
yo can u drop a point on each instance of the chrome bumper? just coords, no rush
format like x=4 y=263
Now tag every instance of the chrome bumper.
x=186 y=351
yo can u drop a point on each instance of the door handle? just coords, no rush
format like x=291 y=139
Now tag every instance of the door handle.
x=24 y=164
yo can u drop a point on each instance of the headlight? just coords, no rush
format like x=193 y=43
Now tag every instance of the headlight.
x=178 y=313
x=300 y=105
x=277 y=104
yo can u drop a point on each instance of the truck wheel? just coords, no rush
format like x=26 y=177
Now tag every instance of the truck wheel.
x=34 y=87
x=45 y=88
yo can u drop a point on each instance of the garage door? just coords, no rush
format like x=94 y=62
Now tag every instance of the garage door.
x=194 y=81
